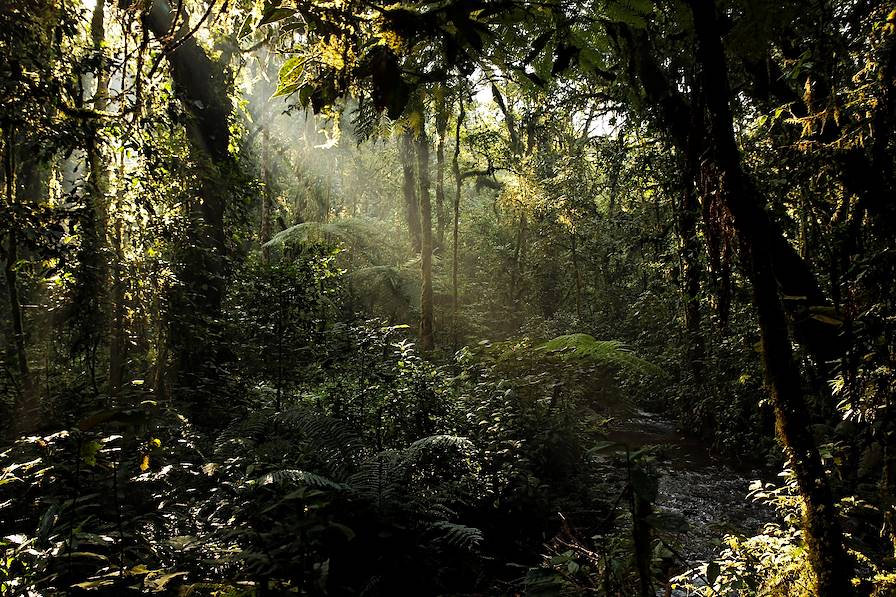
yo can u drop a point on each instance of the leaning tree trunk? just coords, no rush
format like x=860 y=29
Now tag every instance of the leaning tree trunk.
x=792 y=273
x=426 y=307
x=822 y=533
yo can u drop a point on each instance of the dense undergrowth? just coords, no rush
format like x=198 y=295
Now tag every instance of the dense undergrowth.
x=337 y=461
x=388 y=475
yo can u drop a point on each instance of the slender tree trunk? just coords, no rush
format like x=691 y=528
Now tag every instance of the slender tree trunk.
x=265 y=233
x=519 y=252
x=822 y=533
x=117 y=343
x=577 y=274
x=93 y=312
x=458 y=184
x=409 y=183
x=426 y=307
x=441 y=131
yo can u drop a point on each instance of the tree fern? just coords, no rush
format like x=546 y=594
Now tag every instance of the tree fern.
x=393 y=289
x=358 y=234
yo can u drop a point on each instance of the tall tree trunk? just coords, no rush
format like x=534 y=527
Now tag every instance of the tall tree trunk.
x=267 y=179
x=688 y=210
x=519 y=253
x=441 y=131
x=200 y=84
x=458 y=184
x=118 y=345
x=690 y=280
x=823 y=537
x=27 y=407
x=409 y=189
x=426 y=307
x=577 y=275
x=117 y=339
x=92 y=316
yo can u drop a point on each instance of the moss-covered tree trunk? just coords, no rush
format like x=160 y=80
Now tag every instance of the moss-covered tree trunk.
x=441 y=132
x=200 y=84
x=92 y=313
x=822 y=533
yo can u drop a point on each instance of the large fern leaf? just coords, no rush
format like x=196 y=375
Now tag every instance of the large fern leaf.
x=457 y=536
x=359 y=234
x=298 y=477
x=441 y=443
x=608 y=352
x=336 y=445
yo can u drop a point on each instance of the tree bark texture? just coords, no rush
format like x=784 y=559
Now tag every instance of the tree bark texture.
x=455 y=252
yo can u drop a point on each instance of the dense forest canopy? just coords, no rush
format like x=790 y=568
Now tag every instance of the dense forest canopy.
x=448 y=297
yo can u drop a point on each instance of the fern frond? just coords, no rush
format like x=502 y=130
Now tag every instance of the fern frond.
x=443 y=443
x=380 y=481
x=608 y=352
x=242 y=433
x=337 y=446
x=297 y=477
x=457 y=536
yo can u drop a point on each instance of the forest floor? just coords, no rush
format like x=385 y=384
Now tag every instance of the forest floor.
x=708 y=492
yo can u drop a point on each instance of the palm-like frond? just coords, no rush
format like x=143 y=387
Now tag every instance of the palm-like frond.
x=299 y=477
x=607 y=352
x=457 y=536
x=358 y=234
